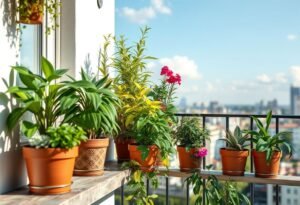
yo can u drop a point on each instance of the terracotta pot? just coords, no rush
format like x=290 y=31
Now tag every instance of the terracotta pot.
x=91 y=158
x=233 y=161
x=34 y=16
x=148 y=164
x=187 y=160
x=122 y=148
x=262 y=167
x=50 y=170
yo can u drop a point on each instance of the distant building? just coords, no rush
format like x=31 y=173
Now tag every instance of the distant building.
x=295 y=100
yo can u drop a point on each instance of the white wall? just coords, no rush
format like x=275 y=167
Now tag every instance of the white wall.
x=12 y=172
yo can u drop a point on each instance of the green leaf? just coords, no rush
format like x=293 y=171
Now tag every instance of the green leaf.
x=144 y=150
x=14 y=117
x=47 y=68
x=29 y=128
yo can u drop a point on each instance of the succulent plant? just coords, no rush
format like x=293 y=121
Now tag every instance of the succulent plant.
x=236 y=140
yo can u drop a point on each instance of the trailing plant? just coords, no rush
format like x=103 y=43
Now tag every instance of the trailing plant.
x=236 y=140
x=136 y=185
x=91 y=104
x=190 y=134
x=39 y=95
x=31 y=9
x=132 y=78
x=215 y=193
x=268 y=143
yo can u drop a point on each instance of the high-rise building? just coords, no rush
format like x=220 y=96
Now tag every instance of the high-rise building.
x=295 y=100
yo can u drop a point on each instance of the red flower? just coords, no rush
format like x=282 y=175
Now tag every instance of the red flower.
x=174 y=79
x=166 y=71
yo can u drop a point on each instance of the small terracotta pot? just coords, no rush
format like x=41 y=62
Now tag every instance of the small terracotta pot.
x=49 y=170
x=122 y=148
x=35 y=16
x=233 y=161
x=264 y=169
x=187 y=159
x=147 y=165
x=91 y=158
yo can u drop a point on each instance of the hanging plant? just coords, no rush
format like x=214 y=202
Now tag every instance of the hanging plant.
x=32 y=12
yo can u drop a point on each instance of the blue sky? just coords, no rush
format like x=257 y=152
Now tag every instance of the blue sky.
x=233 y=51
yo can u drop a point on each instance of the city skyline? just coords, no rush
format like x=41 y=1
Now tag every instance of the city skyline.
x=233 y=52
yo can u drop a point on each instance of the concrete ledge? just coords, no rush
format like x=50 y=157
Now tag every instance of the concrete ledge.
x=85 y=190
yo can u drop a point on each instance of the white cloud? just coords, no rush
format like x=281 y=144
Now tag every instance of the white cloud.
x=281 y=78
x=295 y=71
x=183 y=65
x=143 y=15
x=292 y=37
x=264 y=78
x=160 y=7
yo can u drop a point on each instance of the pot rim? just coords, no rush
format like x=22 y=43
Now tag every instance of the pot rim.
x=232 y=150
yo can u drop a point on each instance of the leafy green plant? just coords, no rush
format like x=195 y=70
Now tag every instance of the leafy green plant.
x=215 y=192
x=31 y=9
x=153 y=129
x=236 y=140
x=190 y=134
x=132 y=78
x=265 y=142
x=136 y=184
x=65 y=136
x=91 y=104
x=39 y=95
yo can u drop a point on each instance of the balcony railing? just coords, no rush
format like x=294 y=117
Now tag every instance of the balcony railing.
x=249 y=177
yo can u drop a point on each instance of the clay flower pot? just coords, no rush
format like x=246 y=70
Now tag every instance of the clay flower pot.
x=233 y=161
x=147 y=165
x=34 y=14
x=263 y=168
x=187 y=159
x=49 y=170
x=91 y=158
x=122 y=148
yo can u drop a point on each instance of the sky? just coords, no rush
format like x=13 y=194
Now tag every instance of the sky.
x=231 y=51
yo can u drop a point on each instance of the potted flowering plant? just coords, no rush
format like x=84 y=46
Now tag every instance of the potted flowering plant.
x=164 y=92
x=190 y=138
x=53 y=145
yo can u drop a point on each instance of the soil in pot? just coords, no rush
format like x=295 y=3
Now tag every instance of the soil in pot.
x=233 y=161
x=187 y=159
x=91 y=158
x=34 y=14
x=50 y=170
x=122 y=148
x=263 y=168
x=147 y=165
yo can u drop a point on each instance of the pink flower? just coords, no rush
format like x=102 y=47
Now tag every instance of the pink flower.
x=166 y=71
x=202 y=152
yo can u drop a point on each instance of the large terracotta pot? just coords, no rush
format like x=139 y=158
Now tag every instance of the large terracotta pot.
x=149 y=163
x=34 y=16
x=122 y=148
x=233 y=161
x=49 y=170
x=91 y=158
x=262 y=167
x=187 y=159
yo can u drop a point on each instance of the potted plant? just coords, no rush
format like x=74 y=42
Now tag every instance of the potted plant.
x=235 y=151
x=215 y=192
x=91 y=104
x=129 y=62
x=164 y=92
x=52 y=146
x=189 y=137
x=268 y=148
x=32 y=11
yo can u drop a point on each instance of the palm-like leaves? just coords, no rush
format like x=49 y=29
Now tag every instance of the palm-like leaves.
x=90 y=104
x=265 y=142
x=236 y=140
x=38 y=95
